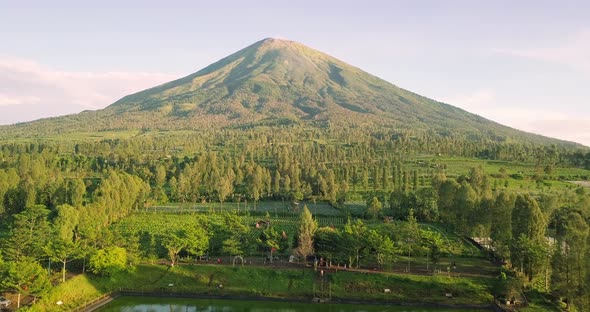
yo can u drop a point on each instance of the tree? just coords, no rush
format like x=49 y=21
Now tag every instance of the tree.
x=365 y=179
x=435 y=254
x=501 y=223
x=307 y=228
x=269 y=240
x=63 y=251
x=174 y=242
x=528 y=231
x=399 y=203
x=354 y=241
x=255 y=184
x=427 y=204
x=225 y=187
x=433 y=243
x=569 y=267
x=192 y=239
x=29 y=233
x=66 y=221
x=276 y=183
x=75 y=192
x=160 y=176
x=374 y=207
x=533 y=255
x=447 y=192
x=174 y=190
x=108 y=261
x=159 y=180
x=328 y=243
x=411 y=234
x=466 y=201
x=527 y=218
x=476 y=178
x=231 y=247
x=382 y=246
x=25 y=277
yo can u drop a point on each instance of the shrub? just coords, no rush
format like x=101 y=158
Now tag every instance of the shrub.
x=108 y=261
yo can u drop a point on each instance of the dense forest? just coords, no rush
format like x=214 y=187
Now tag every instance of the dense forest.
x=82 y=201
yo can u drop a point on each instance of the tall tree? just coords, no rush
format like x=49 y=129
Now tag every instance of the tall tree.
x=374 y=207
x=501 y=227
x=527 y=218
x=528 y=232
x=354 y=241
x=570 y=268
x=225 y=186
x=29 y=233
x=411 y=235
x=307 y=229
x=66 y=222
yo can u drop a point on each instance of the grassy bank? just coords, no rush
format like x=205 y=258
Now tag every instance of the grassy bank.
x=275 y=283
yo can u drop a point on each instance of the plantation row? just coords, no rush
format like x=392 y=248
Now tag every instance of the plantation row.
x=229 y=234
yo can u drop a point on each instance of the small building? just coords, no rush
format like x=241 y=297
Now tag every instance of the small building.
x=262 y=224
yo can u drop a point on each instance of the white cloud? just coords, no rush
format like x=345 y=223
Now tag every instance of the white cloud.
x=29 y=90
x=478 y=99
x=574 y=52
x=6 y=100
x=570 y=128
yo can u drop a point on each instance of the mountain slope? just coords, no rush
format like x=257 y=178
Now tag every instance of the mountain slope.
x=277 y=78
x=277 y=82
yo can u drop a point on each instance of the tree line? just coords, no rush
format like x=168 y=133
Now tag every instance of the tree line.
x=56 y=197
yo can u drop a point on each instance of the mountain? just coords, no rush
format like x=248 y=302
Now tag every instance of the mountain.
x=277 y=82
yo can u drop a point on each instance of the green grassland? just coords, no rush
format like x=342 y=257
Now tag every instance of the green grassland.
x=518 y=175
x=260 y=208
x=269 y=282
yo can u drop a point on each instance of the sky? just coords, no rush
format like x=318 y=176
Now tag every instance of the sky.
x=525 y=64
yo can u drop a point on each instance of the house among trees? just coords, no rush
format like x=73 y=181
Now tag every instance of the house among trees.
x=262 y=224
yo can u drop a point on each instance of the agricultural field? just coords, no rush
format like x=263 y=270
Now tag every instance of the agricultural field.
x=458 y=256
x=282 y=208
x=516 y=175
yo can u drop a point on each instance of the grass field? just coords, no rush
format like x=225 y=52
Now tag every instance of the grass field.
x=261 y=208
x=269 y=282
x=558 y=179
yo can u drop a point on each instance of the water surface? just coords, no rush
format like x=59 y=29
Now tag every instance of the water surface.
x=150 y=304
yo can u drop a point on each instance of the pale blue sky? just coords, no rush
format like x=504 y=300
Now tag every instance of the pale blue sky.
x=522 y=63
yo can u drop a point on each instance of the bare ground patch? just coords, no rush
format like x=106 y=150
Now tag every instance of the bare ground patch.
x=581 y=183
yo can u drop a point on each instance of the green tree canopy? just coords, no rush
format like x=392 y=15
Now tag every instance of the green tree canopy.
x=108 y=261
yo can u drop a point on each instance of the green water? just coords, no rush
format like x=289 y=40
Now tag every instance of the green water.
x=149 y=304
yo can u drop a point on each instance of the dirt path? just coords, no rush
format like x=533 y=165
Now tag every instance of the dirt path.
x=581 y=183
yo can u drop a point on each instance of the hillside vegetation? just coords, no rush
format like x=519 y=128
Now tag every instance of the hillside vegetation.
x=185 y=170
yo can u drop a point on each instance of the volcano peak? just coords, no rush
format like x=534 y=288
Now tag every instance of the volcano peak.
x=277 y=81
